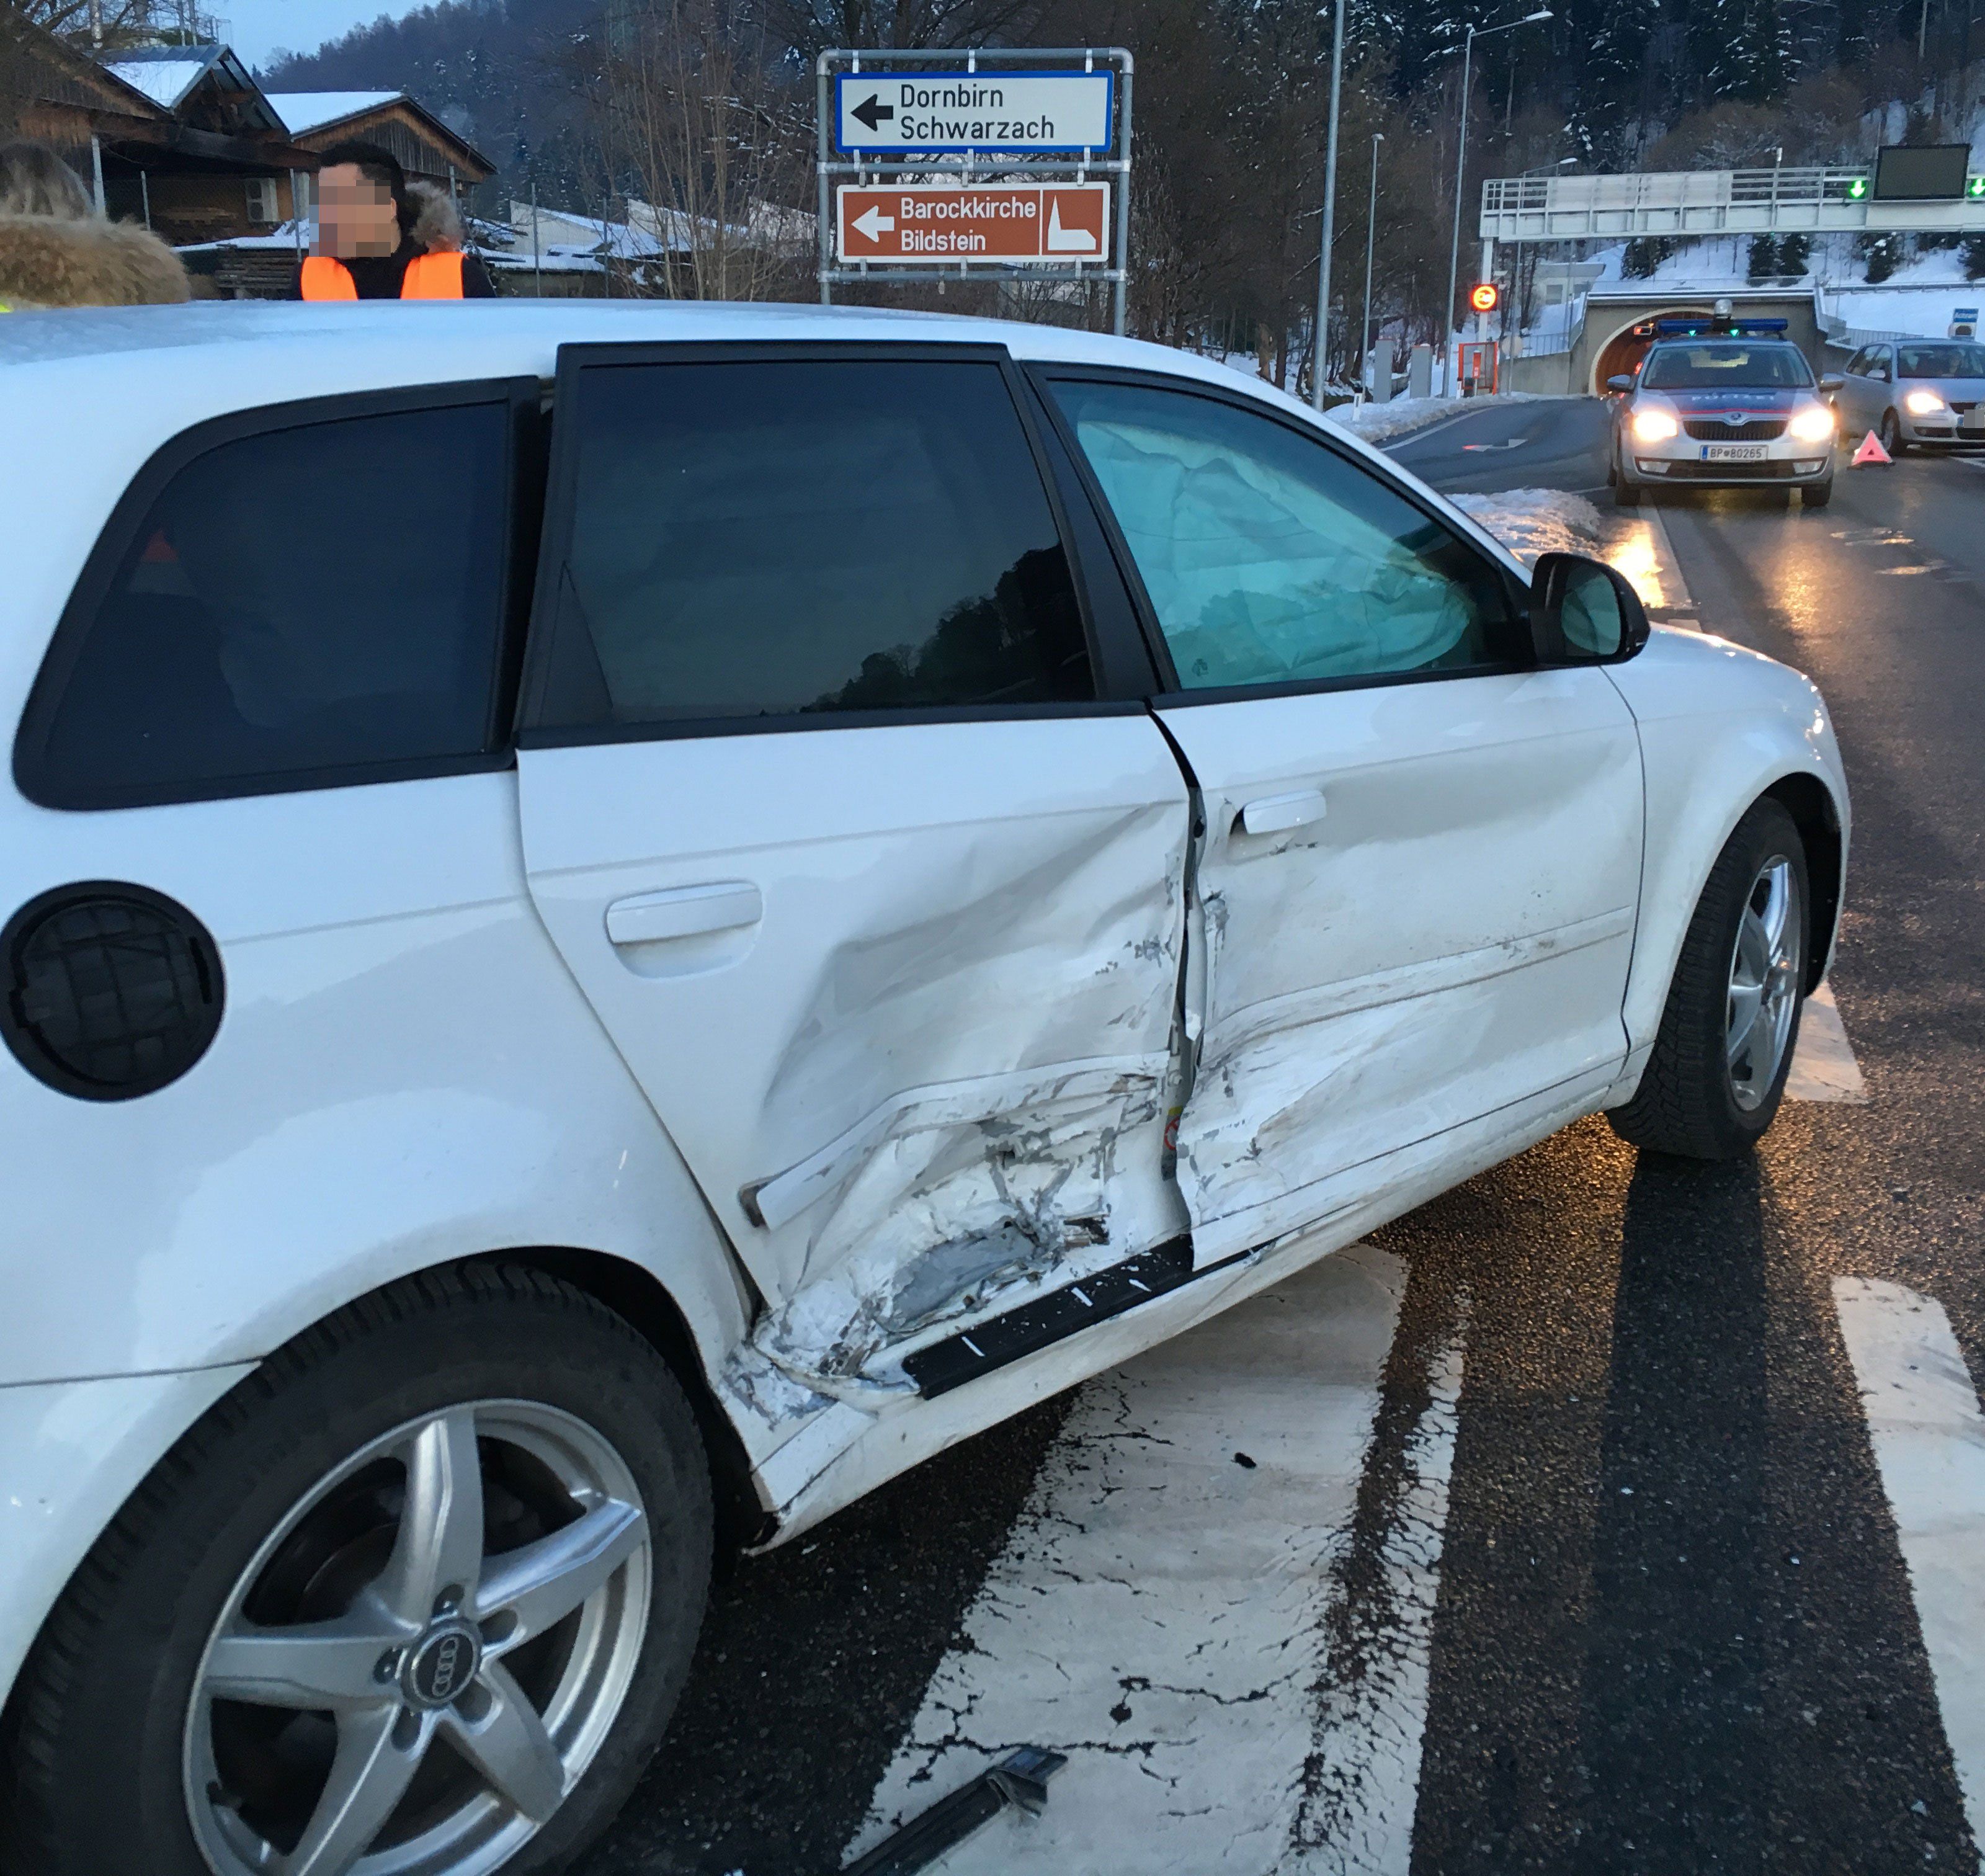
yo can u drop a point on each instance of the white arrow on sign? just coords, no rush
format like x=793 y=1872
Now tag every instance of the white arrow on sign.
x=874 y=224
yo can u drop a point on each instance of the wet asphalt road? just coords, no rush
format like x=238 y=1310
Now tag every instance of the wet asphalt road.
x=1540 y=443
x=1674 y=1632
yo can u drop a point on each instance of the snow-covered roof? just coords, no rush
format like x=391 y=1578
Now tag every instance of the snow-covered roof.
x=306 y=111
x=167 y=75
x=164 y=81
x=290 y=237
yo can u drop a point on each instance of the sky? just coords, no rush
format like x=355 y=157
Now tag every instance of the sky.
x=257 y=28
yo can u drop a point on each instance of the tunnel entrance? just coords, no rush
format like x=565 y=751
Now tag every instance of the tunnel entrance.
x=1621 y=354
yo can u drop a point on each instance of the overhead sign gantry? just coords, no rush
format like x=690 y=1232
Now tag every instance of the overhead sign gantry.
x=1923 y=190
x=960 y=164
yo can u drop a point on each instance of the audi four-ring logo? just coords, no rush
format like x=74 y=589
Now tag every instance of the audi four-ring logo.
x=447 y=1657
x=443 y=1668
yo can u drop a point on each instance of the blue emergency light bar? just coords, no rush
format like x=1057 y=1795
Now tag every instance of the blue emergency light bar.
x=1713 y=327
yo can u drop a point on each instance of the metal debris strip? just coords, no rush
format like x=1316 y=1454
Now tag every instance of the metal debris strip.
x=1021 y=1778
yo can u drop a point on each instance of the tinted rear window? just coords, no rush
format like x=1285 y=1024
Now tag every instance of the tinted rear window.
x=1716 y=366
x=773 y=539
x=308 y=604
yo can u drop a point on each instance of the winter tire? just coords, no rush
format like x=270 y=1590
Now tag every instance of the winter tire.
x=1891 y=433
x=1817 y=495
x=419 y=1595
x=1718 y=1073
x=1626 y=494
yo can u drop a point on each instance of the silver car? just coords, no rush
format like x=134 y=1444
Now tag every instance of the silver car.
x=1724 y=410
x=1931 y=392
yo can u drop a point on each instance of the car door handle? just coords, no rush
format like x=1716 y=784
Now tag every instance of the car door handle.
x=1276 y=814
x=684 y=911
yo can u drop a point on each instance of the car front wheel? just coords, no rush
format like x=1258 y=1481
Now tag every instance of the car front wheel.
x=417 y=1596
x=1713 y=1084
x=1891 y=433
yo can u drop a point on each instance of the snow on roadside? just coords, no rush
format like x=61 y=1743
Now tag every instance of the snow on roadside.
x=1530 y=521
x=1377 y=423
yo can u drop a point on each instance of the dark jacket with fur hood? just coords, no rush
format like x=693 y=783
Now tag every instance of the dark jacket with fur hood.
x=46 y=261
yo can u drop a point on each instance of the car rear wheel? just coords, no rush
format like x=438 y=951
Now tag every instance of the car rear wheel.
x=417 y=1597
x=1713 y=1084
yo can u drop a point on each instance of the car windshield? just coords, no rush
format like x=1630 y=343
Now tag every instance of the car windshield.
x=1941 y=361
x=1715 y=367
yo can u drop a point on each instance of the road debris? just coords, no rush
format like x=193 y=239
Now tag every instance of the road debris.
x=1020 y=1779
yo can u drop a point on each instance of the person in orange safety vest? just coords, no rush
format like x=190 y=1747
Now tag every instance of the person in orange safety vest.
x=370 y=241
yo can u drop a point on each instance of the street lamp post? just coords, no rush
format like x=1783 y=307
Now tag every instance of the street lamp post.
x=1329 y=206
x=1371 y=229
x=1460 y=165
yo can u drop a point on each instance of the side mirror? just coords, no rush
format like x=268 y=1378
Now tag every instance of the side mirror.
x=1583 y=612
x=1619 y=382
x=1831 y=382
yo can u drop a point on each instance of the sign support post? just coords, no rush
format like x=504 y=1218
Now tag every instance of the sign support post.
x=1000 y=147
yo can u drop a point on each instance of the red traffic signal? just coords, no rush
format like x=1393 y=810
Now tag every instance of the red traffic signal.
x=1483 y=297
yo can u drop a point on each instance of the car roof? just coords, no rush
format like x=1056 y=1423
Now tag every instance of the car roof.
x=405 y=342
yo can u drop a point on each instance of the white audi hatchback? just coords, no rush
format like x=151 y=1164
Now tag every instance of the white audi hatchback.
x=621 y=921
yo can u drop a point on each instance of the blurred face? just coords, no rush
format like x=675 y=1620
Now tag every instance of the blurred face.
x=354 y=214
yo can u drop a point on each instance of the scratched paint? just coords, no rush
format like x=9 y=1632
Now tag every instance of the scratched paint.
x=944 y=1222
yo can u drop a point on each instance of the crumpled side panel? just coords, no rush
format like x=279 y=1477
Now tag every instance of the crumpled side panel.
x=953 y=1211
x=1286 y=1097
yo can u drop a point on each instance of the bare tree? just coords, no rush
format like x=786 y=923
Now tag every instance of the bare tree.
x=704 y=130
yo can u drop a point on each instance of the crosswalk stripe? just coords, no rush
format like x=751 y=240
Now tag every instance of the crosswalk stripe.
x=1823 y=1065
x=1356 y=1816
x=1159 y=1613
x=1929 y=1437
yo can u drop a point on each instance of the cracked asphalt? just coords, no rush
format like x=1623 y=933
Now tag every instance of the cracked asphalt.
x=1668 y=1628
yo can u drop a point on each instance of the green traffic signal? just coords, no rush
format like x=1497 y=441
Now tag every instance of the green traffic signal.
x=1857 y=189
x=1975 y=187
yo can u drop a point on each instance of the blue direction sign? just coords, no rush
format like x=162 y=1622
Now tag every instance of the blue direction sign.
x=935 y=113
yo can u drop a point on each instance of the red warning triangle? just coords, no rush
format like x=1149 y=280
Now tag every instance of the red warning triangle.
x=1871 y=451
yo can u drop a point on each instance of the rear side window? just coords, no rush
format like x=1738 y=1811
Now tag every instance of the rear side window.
x=766 y=539
x=294 y=607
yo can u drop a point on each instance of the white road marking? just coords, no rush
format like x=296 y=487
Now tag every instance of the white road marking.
x=1356 y=1818
x=1823 y=1065
x=1929 y=1437
x=1158 y=1614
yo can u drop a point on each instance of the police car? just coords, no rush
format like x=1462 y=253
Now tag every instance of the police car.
x=1732 y=406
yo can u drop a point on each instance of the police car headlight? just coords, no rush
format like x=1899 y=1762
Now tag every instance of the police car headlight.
x=1923 y=404
x=1654 y=426
x=1813 y=425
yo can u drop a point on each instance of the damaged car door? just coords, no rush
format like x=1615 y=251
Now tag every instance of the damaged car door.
x=877 y=890
x=1415 y=889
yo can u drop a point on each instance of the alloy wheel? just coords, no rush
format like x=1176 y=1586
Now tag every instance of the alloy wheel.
x=1765 y=968
x=422 y=1658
